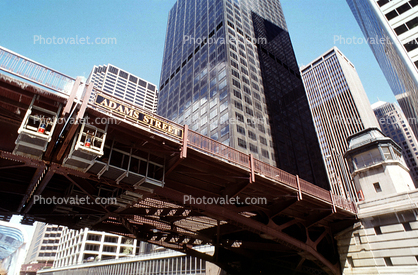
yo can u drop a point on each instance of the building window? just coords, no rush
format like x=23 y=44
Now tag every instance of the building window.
x=265 y=153
x=388 y=261
x=238 y=105
x=225 y=130
x=377 y=230
x=411 y=45
x=252 y=135
x=237 y=94
x=407 y=226
x=242 y=143
x=240 y=130
x=377 y=187
x=253 y=148
x=239 y=117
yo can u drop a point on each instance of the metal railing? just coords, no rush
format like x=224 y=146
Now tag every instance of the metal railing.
x=35 y=72
x=343 y=203
x=317 y=191
x=275 y=173
x=217 y=149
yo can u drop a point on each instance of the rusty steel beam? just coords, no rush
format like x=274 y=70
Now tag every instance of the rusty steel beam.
x=73 y=128
x=27 y=161
x=85 y=191
x=252 y=173
x=38 y=191
x=217 y=211
x=32 y=184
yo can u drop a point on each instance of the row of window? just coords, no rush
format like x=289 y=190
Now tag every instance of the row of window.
x=190 y=57
x=253 y=148
x=399 y=10
x=407 y=26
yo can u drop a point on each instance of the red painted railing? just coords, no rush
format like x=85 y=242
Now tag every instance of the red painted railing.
x=218 y=149
x=215 y=148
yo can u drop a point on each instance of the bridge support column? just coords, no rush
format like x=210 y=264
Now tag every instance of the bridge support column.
x=252 y=174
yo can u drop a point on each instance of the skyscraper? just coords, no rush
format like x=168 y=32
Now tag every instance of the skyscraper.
x=390 y=27
x=44 y=244
x=125 y=86
x=340 y=108
x=230 y=73
x=394 y=125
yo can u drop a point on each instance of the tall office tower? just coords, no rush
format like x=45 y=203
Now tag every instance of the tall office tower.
x=230 y=73
x=340 y=108
x=44 y=244
x=394 y=125
x=124 y=85
x=390 y=27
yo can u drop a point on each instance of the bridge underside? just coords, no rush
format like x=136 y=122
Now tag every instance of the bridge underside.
x=290 y=232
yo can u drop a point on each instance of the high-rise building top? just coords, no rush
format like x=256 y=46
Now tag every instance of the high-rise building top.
x=340 y=108
x=391 y=30
x=395 y=125
x=126 y=86
x=230 y=73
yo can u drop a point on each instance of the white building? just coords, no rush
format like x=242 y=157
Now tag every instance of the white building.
x=340 y=108
x=124 y=85
x=390 y=26
x=105 y=253
x=77 y=247
x=394 y=124
x=165 y=262
x=385 y=240
x=44 y=244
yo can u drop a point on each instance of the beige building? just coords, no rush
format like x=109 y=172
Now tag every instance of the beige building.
x=44 y=244
x=340 y=108
x=385 y=240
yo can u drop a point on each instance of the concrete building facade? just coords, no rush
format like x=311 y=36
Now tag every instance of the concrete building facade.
x=385 y=240
x=340 y=108
x=44 y=244
x=79 y=246
x=124 y=85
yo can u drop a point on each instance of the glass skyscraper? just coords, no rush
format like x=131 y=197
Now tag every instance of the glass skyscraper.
x=391 y=29
x=230 y=73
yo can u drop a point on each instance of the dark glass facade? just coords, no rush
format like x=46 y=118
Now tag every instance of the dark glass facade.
x=230 y=73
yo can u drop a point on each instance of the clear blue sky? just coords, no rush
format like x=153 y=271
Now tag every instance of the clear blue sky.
x=139 y=29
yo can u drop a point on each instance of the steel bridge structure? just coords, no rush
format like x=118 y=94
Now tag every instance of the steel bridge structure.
x=62 y=139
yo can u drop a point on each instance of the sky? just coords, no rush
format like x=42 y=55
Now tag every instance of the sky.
x=132 y=33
